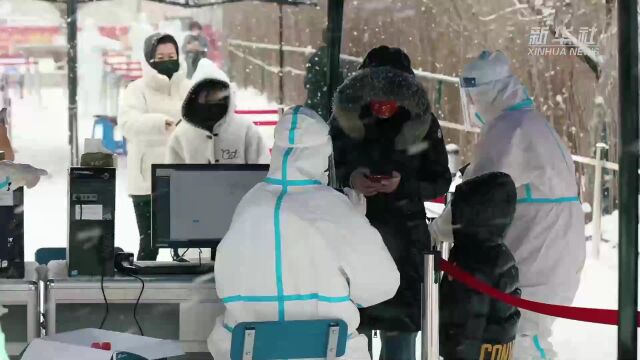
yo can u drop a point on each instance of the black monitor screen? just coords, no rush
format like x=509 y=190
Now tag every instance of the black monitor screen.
x=192 y=205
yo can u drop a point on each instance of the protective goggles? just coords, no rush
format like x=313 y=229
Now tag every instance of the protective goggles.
x=472 y=82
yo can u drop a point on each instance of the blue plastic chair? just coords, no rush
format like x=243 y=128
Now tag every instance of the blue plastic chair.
x=108 y=141
x=44 y=255
x=302 y=339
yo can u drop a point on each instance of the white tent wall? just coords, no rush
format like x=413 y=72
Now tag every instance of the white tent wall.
x=29 y=12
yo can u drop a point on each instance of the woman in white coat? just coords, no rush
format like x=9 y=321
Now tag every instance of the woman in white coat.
x=313 y=254
x=148 y=113
x=547 y=233
x=211 y=132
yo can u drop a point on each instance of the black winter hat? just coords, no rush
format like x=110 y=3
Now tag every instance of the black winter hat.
x=482 y=208
x=386 y=56
x=151 y=45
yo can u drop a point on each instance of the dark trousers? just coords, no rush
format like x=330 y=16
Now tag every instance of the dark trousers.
x=395 y=345
x=142 y=207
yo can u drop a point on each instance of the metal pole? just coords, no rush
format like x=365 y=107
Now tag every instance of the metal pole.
x=431 y=307
x=72 y=77
x=596 y=237
x=281 y=51
x=335 y=17
x=628 y=178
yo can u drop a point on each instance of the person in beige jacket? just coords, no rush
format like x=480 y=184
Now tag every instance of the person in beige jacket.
x=147 y=116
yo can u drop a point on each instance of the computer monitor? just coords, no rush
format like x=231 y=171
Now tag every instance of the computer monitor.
x=192 y=205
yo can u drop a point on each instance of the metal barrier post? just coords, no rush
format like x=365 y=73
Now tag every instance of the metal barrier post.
x=596 y=236
x=431 y=309
x=38 y=81
x=445 y=249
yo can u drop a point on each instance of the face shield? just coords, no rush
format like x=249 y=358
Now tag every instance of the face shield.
x=472 y=118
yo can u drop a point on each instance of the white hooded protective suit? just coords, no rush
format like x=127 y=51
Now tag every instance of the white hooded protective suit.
x=91 y=46
x=297 y=249
x=547 y=233
x=13 y=176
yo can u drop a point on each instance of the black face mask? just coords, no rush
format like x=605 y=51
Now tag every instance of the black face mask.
x=208 y=115
x=166 y=67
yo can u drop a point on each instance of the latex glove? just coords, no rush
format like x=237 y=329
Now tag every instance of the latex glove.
x=19 y=175
x=169 y=126
x=358 y=200
x=359 y=182
x=441 y=229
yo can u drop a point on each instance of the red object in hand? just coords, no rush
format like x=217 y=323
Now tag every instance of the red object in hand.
x=384 y=109
x=101 y=346
x=441 y=200
x=378 y=178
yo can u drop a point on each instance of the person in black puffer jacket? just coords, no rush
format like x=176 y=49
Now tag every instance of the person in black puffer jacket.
x=389 y=146
x=472 y=325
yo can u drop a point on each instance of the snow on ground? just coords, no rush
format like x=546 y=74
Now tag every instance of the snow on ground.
x=40 y=137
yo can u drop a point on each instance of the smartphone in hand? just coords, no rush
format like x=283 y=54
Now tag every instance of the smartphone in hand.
x=378 y=178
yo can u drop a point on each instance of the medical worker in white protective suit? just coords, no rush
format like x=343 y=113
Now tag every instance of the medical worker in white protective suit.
x=297 y=249
x=91 y=48
x=13 y=176
x=547 y=234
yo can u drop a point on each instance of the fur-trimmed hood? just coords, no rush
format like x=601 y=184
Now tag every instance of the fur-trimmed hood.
x=383 y=83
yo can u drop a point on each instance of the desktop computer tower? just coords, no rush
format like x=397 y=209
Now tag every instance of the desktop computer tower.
x=12 y=234
x=92 y=205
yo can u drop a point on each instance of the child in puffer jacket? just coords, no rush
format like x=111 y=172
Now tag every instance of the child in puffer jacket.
x=472 y=325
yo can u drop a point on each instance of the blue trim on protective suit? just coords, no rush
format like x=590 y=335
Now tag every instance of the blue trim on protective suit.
x=276 y=215
x=549 y=200
x=279 y=182
x=536 y=343
x=527 y=191
x=524 y=104
x=286 y=298
x=228 y=328
x=529 y=199
x=479 y=118
x=5 y=183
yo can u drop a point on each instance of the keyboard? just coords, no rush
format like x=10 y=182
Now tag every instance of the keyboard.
x=172 y=268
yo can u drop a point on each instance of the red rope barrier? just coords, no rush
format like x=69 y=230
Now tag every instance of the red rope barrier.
x=265 y=123
x=257 y=112
x=598 y=316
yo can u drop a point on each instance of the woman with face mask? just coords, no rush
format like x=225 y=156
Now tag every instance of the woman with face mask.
x=211 y=132
x=147 y=116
